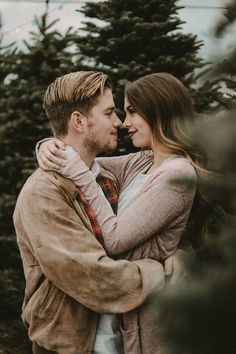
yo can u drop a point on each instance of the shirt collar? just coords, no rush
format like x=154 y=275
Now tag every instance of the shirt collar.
x=95 y=169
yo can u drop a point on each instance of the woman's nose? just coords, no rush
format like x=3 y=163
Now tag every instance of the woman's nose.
x=127 y=122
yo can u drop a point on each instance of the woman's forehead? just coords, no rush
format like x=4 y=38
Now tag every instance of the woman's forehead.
x=126 y=101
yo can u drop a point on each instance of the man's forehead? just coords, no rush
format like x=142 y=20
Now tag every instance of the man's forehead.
x=106 y=100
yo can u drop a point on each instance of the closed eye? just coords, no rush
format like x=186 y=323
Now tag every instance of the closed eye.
x=131 y=110
x=109 y=113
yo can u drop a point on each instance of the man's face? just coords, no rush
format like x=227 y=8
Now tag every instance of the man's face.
x=103 y=124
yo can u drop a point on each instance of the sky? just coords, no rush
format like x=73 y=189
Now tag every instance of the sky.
x=17 y=19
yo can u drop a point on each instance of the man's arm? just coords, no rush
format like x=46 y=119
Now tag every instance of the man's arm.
x=74 y=261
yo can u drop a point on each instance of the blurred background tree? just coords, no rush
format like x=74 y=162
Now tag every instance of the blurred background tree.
x=228 y=64
x=24 y=76
x=217 y=87
x=124 y=39
x=128 y=41
x=200 y=316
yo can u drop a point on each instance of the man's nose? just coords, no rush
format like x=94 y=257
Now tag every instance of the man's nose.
x=117 y=122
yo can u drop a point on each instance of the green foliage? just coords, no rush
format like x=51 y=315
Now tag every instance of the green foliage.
x=218 y=87
x=13 y=339
x=134 y=40
x=129 y=41
x=228 y=19
x=11 y=283
x=24 y=76
x=199 y=317
x=24 y=79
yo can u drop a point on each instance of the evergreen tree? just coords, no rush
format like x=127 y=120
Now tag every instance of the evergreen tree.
x=130 y=39
x=24 y=76
x=228 y=65
x=200 y=317
x=219 y=86
x=135 y=38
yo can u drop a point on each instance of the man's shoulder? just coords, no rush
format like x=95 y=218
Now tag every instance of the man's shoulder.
x=46 y=182
x=36 y=179
x=31 y=182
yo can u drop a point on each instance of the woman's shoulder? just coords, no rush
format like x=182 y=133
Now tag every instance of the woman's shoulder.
x=179 y=163
x=179 y=168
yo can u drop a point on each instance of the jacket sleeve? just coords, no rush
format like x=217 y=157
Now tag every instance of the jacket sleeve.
x=158 y=205
x=74 y=261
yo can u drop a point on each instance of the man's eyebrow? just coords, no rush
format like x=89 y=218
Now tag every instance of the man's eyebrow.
x=112 y=108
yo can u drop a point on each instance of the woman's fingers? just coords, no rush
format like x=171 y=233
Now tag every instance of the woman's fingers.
x=179 y=272
x=57 y=156
x=59 y=144
x=46 y=164
x=168 y=266
x=51 y=154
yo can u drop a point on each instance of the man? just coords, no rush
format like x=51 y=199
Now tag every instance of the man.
x=69 y=278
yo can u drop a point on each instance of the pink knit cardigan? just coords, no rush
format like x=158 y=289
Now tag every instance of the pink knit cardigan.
x=150 y=227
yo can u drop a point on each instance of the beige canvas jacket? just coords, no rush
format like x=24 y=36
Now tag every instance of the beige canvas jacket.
x=68 y=276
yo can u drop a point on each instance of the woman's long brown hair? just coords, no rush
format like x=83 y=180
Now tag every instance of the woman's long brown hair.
x=165 y=104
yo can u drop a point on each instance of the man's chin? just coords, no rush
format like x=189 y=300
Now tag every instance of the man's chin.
x=110 y=147
x=113 y=146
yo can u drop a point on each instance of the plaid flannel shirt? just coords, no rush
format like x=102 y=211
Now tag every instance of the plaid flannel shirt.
x=110 y=193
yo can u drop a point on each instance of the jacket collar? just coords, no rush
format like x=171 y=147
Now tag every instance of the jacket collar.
x=69 y=185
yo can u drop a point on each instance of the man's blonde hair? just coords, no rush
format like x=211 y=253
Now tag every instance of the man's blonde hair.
x=76 y=91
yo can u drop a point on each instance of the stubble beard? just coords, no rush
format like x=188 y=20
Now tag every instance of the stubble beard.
x=94 y=147
x=91 y=146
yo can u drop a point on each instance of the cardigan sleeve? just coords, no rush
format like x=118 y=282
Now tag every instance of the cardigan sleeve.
x=120 y=165
x=158 y=205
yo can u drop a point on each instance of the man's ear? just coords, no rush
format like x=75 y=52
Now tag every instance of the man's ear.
x=78 y=121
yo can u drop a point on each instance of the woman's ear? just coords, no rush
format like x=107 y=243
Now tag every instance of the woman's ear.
x=78 y=121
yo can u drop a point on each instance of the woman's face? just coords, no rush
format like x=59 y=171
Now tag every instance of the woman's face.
x=138 y=129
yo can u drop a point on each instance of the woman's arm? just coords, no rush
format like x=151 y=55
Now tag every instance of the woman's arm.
x=50 y=154
x=118 y=165
x=155 y=208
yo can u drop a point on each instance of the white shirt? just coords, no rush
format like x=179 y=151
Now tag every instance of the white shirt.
x=108 y=337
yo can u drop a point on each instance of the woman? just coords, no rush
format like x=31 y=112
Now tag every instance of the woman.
x=157 y=187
